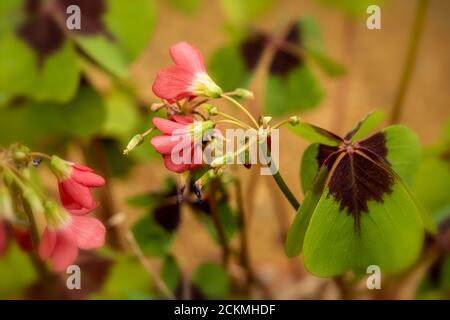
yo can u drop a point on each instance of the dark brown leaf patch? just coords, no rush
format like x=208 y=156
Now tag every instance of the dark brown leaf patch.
x=376 y=143
x=283 y=61
x=168 y=216
x=42 y=34
x=44 y=27
x=91 y=15
x=356 y=180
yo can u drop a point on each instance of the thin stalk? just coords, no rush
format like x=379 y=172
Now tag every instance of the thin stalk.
x=286 y=191
x=415 y=35
x=234 y=122
x=217 y=222
x=245 y=252
x=227 y=116
x=243 y=109
x=40 y=155
x=162 y=287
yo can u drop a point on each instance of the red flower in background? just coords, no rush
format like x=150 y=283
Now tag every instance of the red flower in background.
x=187 y=79
x=74 y=183
x=3 y=238
x=178 y=137
x=65 y=234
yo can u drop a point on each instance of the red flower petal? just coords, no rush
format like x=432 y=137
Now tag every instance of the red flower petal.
x=178 y=168
x=87 y=178
x=82 y=168
x=182 y=119
x=77 y=193
x=173 y=83
x=164 y=144
x=169 y=127
x=89 y=232
x=188 y=57
x=47 y=244
x=65 y=251
x=3 y=238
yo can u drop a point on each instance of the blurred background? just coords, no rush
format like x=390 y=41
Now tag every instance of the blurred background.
x=83 y=94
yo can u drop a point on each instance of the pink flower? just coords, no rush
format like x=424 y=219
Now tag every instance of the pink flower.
x=187 y=79
x=65 y=234
x=180 y=142
x=3 y=238
x=74 y=183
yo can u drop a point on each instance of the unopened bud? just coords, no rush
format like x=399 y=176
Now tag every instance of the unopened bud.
x=134 y=142
x=294 y=120
x=244 y=93
x=157 y=106
x=212 y=110
x=264 y=121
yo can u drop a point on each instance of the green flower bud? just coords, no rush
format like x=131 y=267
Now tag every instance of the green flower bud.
x=134 y=142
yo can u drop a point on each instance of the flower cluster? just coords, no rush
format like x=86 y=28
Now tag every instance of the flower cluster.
x=187 y=93
x=57 y=232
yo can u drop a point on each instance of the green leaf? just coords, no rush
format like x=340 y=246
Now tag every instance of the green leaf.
x=20 y=74
x=16 y=272
x=227 y=68
x=432 y=182
x=366 y=125
x=151 y=237
x=327 y=64
x=298 y=91
x=391 y=236
x=121 y=115
x=311 y=34
x=127 y=280
x=309 y=166
x=404 y=151
x=186 y=6
x=171 y=273
x=212 y=280
x=315 y=134
x=297 y=231
x=131 y=25
x=84 y=115
x=228 y=220
x=105 y=53
x=240 y=12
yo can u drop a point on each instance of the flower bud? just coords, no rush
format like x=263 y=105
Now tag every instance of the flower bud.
x=244 y=93
x=294 y=120
x=212 y=110
x=157 y=106
x=134 y=142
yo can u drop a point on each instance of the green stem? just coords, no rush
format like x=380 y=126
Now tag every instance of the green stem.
x=415 y=35
x=240 y=106
x=286 y=191
x=217 y=222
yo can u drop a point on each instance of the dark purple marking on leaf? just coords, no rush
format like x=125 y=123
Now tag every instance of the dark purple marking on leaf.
x=359 y=173
x=326 y=133
x=323 y=153
x=42 y=34
x=356 y=180
x=252 y=49
x=168 y=216
x=91 y=15
x=376 y=143
x=283 y=61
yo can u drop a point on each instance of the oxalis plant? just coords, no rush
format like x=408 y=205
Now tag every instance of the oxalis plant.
x=357 y=211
